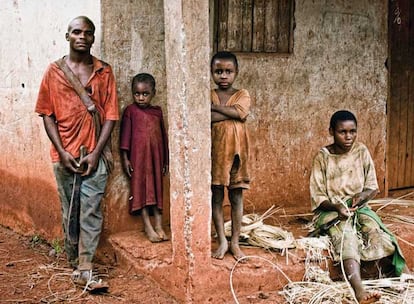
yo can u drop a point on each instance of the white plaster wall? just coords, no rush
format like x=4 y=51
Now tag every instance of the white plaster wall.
x=32 y=35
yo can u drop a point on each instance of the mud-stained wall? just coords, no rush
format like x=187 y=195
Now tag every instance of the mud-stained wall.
x=133 y=42
x=338 y=62
x=32 y=36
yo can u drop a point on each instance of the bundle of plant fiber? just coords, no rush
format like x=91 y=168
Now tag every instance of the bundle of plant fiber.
x=256 y=233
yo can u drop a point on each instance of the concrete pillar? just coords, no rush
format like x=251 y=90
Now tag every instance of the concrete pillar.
x=188 y=84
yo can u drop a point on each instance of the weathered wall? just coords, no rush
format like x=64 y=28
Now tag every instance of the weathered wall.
x=176 y=59
x=32 y=35
x=338 y=62
x=187 y=52
x=133 y=42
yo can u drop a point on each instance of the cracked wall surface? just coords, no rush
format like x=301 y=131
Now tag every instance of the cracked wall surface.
x=337 y=62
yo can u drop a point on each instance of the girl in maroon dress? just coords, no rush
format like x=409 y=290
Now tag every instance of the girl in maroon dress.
x=144 y=155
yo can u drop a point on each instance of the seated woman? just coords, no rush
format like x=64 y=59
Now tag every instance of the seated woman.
x=342 y=182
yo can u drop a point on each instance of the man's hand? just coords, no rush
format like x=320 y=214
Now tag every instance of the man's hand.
x=91 y=162
x=69 y=162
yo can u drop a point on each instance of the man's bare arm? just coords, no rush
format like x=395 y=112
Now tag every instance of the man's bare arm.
x=66 y=158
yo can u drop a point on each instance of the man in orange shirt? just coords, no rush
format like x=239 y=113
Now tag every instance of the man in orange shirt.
x=69 y=125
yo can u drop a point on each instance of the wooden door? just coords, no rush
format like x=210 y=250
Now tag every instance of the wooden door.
x=253 y=26
x=400 y=158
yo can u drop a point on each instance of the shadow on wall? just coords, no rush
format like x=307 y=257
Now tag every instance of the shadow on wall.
x=115 y=202
x=29 y=206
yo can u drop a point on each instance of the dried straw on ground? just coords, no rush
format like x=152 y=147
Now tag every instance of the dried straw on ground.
x=393 y=291
x=256 y=233
x=317 y=286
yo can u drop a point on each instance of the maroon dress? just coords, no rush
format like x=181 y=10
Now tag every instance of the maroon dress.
x=144 y=137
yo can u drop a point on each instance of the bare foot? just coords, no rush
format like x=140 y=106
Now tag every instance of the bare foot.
x=152 y=236
x=161 y=234
x=221 y=251
x=369 y=297
x=237 y=253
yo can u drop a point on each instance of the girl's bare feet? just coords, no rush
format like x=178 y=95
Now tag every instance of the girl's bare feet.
x=152 y=235
x=161 y=234
x=149 y=230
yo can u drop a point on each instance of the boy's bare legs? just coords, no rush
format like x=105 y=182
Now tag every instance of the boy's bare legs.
x=218 y=219
x=236 y=200
x=158 y=224
x=353 y=272
x=149 y=231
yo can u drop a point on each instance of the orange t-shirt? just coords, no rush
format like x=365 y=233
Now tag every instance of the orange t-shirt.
x=75 y=124
x=230 y=138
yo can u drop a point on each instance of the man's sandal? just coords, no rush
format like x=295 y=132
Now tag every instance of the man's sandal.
x=85 y=280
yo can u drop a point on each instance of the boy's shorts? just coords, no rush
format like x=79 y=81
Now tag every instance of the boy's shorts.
x=234 y=182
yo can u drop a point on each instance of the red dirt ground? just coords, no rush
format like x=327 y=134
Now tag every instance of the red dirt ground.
x=29 y=273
